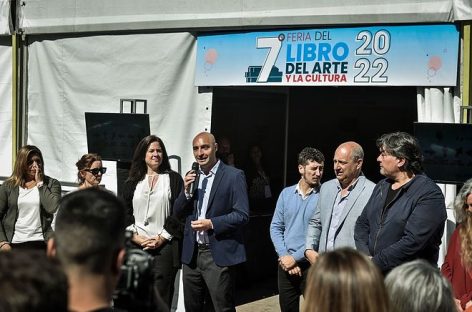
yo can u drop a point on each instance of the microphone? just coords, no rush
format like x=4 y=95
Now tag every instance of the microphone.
x=194 y=184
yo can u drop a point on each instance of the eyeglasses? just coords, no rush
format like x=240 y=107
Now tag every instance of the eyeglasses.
x=95 y=171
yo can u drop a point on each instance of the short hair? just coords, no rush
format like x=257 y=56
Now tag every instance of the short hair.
x=90 y=230
x=138 y=165
x=85 y=162
x=18 y=177
x=357 y=152
x=417 y=286
x=310 y=154
x=403 y=145
x=30 y=282
x=345 y=280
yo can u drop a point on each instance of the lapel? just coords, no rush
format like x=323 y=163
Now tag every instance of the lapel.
x=15 y=193
x=216 y=183
x=328 y=212
x=352 y=199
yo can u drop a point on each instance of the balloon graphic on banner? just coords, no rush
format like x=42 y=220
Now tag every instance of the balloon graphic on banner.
x=211 y=56
x=434 y=64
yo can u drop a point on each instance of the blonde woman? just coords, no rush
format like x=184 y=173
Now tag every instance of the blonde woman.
x=457 y=266
x=345 y=280
x=28 y=200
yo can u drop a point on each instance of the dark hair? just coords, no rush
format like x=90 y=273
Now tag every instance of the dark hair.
x=85 y=162
x=138 y=165
x=310 y=154
x=30 y=282
x=18 y=177
x=403 y=145
x=90 y=229
x=417 y=286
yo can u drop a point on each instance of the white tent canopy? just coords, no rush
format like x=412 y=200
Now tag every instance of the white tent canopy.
x=5 y=106
x=62 y=16
x=5 y=17
x=70 y=76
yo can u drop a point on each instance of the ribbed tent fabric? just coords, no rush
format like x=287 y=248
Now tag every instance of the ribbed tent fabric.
x=441 y=105
x=64 y=16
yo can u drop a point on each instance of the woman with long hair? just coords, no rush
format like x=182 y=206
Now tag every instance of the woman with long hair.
x=457 y=266
x=345 y=280
x=150 y=192
x=90 y=171
x=28 y=201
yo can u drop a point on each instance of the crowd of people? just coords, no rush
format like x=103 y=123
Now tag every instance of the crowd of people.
x=345 y=245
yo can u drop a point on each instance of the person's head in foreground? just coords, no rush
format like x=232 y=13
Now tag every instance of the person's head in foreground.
x=417 y=286
x=89 y=243
x=30 y=282
x=345 y=280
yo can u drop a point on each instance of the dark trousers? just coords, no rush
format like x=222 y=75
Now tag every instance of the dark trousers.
x=202 y=277
x=164 y=271
x=291 y=287
x=33 y=245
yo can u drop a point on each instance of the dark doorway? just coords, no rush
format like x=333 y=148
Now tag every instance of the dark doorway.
x=326 y=117
x=283 y=121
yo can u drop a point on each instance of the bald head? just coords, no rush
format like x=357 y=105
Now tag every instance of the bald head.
x=207 y=136
x=355 y=150
x=348 y=159
x=204 y=150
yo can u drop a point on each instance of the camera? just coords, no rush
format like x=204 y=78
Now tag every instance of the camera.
x=134 y=291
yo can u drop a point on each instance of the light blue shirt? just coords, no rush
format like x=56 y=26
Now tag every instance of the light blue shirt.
x=290 y=221
x=204 y=188
x=338 y=208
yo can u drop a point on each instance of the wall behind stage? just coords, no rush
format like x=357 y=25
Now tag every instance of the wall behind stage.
x=72 y=75
x=5 y=106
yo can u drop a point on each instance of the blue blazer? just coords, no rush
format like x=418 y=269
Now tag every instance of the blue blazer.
x=228 y=209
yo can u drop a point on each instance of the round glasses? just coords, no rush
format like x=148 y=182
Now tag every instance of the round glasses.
x=95 y=171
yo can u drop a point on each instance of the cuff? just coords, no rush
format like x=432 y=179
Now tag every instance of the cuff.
x=132 y=228
x=166 y=235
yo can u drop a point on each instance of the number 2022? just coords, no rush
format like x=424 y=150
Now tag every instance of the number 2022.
x=378 y=44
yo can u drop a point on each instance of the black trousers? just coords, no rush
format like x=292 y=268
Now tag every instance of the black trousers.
x=291 y=287
x=203 y=277
x=32 y=245
x=164 y=271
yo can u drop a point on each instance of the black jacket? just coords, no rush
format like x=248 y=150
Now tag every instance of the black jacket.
x=409 y=227
x=172 y=225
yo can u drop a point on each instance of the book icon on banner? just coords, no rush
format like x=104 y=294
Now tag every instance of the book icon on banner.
x=253 y=73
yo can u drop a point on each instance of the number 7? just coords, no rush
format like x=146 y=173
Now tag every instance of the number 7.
x=274 y=44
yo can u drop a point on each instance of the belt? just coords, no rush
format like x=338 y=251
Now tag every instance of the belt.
x=203 y=246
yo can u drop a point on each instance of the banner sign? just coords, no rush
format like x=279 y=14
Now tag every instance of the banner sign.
x=417 y=55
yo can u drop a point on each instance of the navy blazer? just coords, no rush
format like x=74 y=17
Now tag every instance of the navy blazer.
x=228 y=210
x=409 y=227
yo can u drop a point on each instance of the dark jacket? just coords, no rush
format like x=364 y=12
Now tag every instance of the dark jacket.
x=49 y=196
x=410 y=226
x=172 y=225
x=228 y=209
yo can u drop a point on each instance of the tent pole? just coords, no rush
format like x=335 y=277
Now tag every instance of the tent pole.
x=14 y=95
x=466 y=69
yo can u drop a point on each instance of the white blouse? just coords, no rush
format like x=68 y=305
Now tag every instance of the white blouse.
x=151 y=207
x=28 y=225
